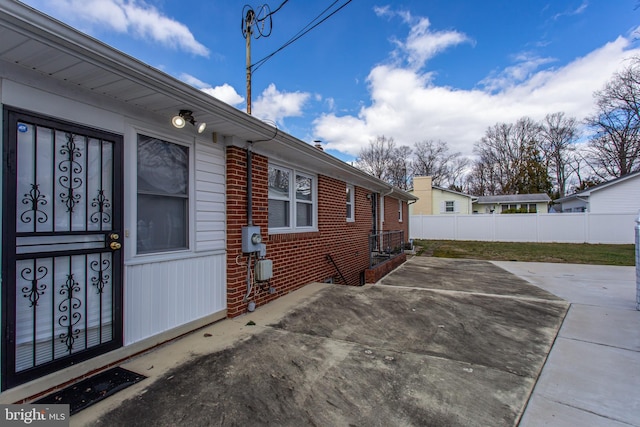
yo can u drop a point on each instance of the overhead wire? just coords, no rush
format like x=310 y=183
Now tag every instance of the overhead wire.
x=277 y=9
x=306 y=29
x=261 y=20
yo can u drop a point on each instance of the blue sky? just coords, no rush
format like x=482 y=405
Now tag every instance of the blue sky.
x=410 y=70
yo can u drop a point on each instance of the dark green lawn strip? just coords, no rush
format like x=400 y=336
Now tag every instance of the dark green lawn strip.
x=583 y=253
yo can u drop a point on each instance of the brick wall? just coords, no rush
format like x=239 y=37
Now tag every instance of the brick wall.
x=299 y=258
x=391 y=220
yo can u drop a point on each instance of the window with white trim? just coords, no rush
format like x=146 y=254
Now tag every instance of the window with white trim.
x=162 y=196
x=292 y=200
x=350 y=204
x=450 y=206
x=400 y=210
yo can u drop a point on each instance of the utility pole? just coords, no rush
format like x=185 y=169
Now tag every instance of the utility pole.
x=248 y=24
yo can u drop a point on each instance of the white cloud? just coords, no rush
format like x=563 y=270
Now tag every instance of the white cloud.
x=406 y=105
x=571 y=12
x=526 y=64
x=134 y=17
x=225 y=92
x=275 y=105
x=422 y=43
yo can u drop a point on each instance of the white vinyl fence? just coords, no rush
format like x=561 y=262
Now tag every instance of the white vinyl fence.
x=557 y=227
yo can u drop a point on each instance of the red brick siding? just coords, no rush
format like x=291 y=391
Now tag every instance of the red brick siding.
x=372 y=275
x=298 y=258
x=391 y=222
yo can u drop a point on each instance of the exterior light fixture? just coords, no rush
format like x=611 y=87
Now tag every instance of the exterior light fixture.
x=185 y=116
x=178 y=122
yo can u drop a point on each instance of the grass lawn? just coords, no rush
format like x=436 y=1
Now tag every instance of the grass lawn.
x=529 y=252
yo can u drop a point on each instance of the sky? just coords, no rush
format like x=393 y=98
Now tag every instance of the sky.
x=410 y=70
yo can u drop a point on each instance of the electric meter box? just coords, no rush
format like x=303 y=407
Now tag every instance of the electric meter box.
x=251 y=239
x=264 y=270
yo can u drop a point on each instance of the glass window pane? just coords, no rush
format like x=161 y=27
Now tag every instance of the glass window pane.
x=350 y=197
x=450 y=206
x=278 y=213
x=304 y=214
x=163 y=188
x=278 y=183
x=163 y=167
x=162 y=223
x=303 y=188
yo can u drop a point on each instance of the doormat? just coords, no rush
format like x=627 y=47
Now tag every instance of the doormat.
x=93 y=389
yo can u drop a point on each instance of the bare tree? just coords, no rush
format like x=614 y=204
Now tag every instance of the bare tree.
x=386 y=161
x=399 y=172
x=433 y=158
x=430 y=158
x=615 y=145
x=375 y=158
x=510 y=159
x=459 y=168
x=482 y=180
x=558 y=134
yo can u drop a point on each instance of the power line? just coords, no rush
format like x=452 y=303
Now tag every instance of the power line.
x=260 y=19
x=277 y=9
x=306 y=29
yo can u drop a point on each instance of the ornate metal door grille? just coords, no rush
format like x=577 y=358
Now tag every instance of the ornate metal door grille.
x=61 y=268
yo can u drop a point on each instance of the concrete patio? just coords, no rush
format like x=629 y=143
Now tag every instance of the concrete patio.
x=436 y=342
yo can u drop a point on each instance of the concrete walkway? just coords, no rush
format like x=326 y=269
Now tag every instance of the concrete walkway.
x=592 y=375
x=398 y=342
x=436 y=342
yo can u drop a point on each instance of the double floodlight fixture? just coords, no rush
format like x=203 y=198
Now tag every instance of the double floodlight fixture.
x=184 y=117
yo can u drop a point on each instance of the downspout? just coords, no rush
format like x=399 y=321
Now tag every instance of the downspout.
x=249 y=185
x=249 y=220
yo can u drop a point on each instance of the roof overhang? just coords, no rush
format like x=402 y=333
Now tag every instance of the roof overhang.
x=41 y=44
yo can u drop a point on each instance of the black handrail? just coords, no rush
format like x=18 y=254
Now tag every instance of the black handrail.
x=384 y=246
x=330 y=259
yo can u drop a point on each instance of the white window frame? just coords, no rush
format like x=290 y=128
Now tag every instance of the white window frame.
x=453 y=206
x=351 y=214
x=132 y=251
x=293 y=227
x=399 y=210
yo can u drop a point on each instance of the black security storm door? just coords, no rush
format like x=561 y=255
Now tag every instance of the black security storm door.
x=61 y=245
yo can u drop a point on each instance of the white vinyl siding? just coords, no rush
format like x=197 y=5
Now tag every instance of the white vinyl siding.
x=449 y=206
x=621 y=197
x=461 y=203
x=210 y=198
x=160 y=296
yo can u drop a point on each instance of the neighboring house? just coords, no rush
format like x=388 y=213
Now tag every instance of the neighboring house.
x=434 y=200
x=533 y=203
x=121 y=231
x=620 y=195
